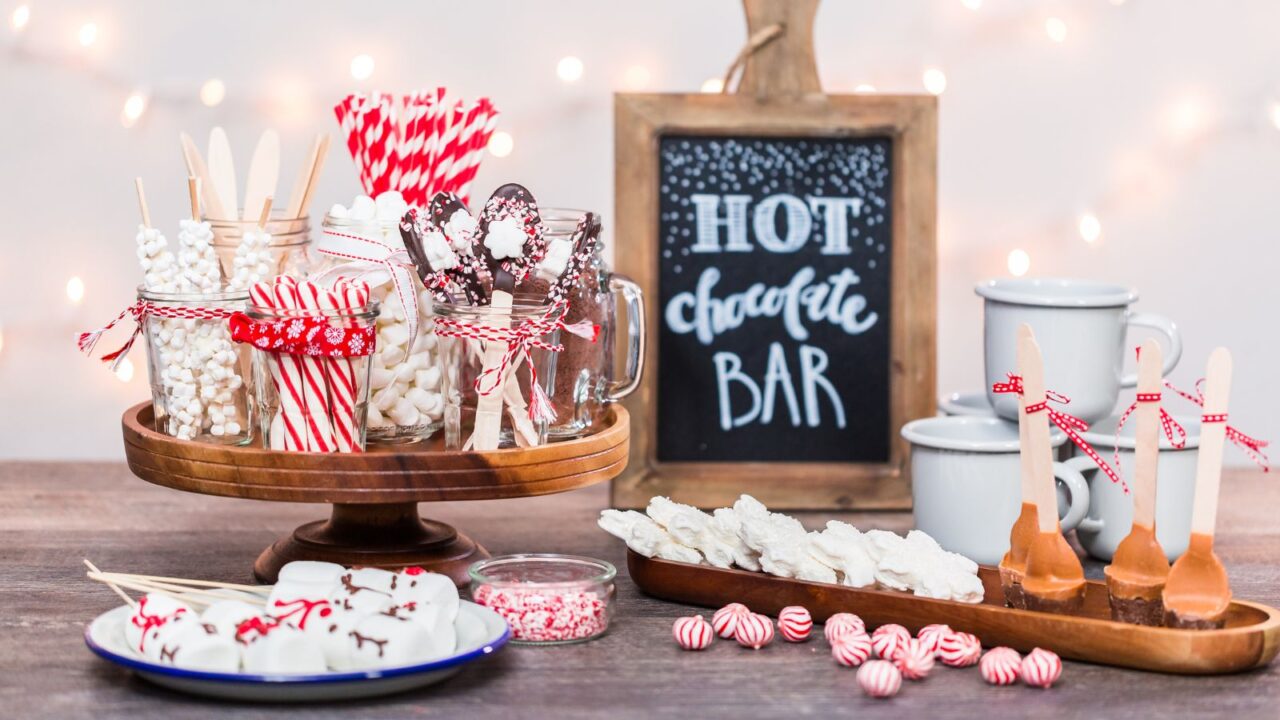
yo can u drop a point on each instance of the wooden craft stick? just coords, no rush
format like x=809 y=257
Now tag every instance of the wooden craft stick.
x=94 y=568
x=142 y=205
x=262 y=589
x=193 y=189
x=196 y=166
x=265 y=215
x=1038 y=444
x=316 y=167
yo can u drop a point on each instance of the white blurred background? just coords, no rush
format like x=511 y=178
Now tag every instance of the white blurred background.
x=1133 y=141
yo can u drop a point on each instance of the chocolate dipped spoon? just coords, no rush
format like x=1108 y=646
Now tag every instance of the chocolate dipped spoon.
x=1054 y=578
x=1137 y=573
x=434 y=276
x=1013 y=566
x=511 y=239
x=1197 y=593
x=449 y=215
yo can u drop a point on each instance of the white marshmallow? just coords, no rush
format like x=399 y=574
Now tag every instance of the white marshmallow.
x=284 y=649
x=380 y=641
x=363 y=208
x=196 y=646
x=153 y=610
x=226 y=615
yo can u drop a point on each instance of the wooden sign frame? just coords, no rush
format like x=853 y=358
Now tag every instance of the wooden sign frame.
x=779 y=97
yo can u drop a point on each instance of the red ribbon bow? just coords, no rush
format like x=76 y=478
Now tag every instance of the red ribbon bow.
x=520 y=340
x=1172 y=429
x=1251 y=446
x=1070 y=424
x=140 y=311
x=303 y=335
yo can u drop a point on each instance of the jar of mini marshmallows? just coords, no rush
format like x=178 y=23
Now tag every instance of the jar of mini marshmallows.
x=405 y=403
x=281 y=245
x=199 y=377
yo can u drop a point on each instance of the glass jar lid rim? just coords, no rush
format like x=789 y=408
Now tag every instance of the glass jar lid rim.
x=606 y=571
x=219 y=296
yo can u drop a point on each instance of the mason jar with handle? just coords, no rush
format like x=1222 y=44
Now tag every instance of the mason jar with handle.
x=587 y=379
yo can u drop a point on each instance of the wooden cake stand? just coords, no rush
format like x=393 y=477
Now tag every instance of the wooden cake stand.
x=375 y=494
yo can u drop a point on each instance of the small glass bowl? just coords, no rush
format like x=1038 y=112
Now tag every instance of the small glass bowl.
x=547 y=599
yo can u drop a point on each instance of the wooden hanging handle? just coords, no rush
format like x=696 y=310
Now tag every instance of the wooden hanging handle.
x=1217 y=387
x=785 y=66
x=1031 y=365
x=1146 y=436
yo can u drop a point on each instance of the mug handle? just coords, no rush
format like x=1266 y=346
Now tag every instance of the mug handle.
x=1079 y=490
x=1165 y=327
x=1081 y=464
x=633 y=299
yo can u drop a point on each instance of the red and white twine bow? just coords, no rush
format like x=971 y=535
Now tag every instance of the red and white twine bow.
x=1251 y=446
x=520 y=340
x=140 y=311
x=367 y=257
x=1070 y=424
x=1172 y=429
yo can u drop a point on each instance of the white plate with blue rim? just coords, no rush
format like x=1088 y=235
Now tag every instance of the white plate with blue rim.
x=481 y=632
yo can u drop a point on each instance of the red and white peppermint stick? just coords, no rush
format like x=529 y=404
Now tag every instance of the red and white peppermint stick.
x=292 y=434
x=315 y=375
x=339 y=376
x=725 y=620
x=959 y=649
x=794 y=623
x=1070 y=424
x=693 y=633
x=931 y=635
x=914 y=660
x=1041 y=668
x=879 y=679
x=754 y=631
x=889 y=640
x=1001 y=666
x=842 y=624
x=851 y=649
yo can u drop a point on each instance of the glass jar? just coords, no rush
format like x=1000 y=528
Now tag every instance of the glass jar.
x=290 y=240
x=292 y=415
x=198 y=375
x=406 y=403
x=496 y=414
x=547 y=599
x=587 y=379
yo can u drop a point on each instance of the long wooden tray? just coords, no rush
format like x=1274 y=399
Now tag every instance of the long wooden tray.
x=1250 y=639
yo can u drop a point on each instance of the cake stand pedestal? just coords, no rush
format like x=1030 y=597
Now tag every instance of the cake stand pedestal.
x=374 y=520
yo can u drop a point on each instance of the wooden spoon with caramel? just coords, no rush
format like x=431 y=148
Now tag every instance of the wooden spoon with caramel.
x=1054 y=578
x=1137 y=573
x=1013 y=566
x=1197 y=593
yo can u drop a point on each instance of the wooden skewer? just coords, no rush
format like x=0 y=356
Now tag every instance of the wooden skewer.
x=265 y=216
x=316 y=166
x=186 y=595
x=225 y=593
x=196 y=166
x=260 y=589
x=299 y=189
x=142 y=205
x=94 y=568
x=193 y=189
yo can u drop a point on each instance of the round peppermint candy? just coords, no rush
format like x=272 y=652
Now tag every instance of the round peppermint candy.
x=1041 y=668
x=959 y=649
x=842 y=624
x=914 y=661
x=879 y=678
x=1001 y=666
x=851 y=650
x=931 y=635
x=888 y=640
x=693 y=633
x=754 y=631
x=725 y=620
x=794 y=623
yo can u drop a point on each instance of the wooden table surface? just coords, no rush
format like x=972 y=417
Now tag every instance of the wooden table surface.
x=56 y=513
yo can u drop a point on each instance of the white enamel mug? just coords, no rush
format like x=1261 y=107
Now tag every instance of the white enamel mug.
x=1110 y=515
x=1080 y=326
x=966 y=484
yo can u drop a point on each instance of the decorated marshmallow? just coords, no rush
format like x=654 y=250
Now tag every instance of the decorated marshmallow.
x=879 y=679
x=794 y=623
x=889 y=640
x=227 y=615
x=381 y=640
x=335 y=633
x=959 y=649
x=851 y=649
x=427 y=597
x=1001 y=666
x=725 y=620
x=273 y=648
x=1041 y=668
x=362 y=588
x=914 y=660
x=693 y=633
x=313 y=572
x=152 y=611
x=842 y=624
x=754 y=631
x=197 y=646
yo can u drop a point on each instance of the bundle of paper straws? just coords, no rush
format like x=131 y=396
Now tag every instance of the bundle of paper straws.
x=419 y=144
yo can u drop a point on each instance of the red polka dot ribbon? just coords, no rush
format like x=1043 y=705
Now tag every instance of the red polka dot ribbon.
x=1251 y=446
x=1070 y=424
x=140 y=311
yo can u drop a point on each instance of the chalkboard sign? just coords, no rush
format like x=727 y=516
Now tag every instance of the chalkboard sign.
x=784 y=241
x=774 y=285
